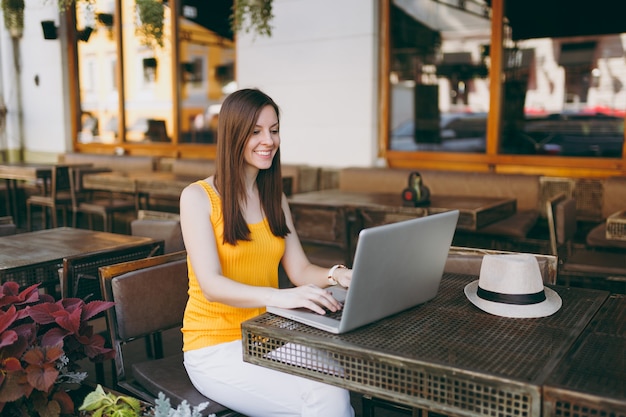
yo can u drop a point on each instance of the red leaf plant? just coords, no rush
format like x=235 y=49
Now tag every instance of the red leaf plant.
x=41 y=343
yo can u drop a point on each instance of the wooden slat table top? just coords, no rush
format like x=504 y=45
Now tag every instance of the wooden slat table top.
x=29 y=170
x=50 y=245
x=25 y=170
x=445 y=355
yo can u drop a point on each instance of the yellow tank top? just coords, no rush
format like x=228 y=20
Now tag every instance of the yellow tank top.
x=253 y=262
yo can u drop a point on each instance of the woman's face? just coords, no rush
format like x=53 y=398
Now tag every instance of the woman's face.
x=265 y=140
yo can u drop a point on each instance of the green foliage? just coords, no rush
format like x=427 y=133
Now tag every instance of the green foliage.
x=102 y=404
x=99 y=403
x=13 y=11
x=41 y=343
x=252 y=16
x=150 y=26
x=162 y=408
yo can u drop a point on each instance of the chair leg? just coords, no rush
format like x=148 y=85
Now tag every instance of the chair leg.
x=53 y=215
x=29 y=220
x=100 y=373
x=107 y=223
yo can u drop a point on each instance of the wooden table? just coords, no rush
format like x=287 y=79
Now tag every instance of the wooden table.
x=35 y=257
x=445 y=356
x=475 y=212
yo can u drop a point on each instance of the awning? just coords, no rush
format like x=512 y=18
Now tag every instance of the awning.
x=213 y=15
x=564 y=18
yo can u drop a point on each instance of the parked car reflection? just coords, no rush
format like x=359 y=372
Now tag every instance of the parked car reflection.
x=576 y=135
x=566 y=134
x=459 y=132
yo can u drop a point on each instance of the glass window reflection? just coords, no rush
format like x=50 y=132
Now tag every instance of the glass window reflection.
x=439 y=75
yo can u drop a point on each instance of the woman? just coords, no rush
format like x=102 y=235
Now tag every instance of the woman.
x=237 y=227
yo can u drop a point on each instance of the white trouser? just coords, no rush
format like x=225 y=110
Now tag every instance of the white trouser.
x=220 y=373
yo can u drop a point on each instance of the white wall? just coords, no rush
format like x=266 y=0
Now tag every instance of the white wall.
x=320 y=66
x=45 y=118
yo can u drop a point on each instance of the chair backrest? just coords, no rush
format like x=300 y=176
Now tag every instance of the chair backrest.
x=80 y=272
x=157 y=215
x=150 y=296
x=561 y=214
x=159 y=226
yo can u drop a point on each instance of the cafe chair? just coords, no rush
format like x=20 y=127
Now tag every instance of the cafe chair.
x=579 y=265
x=79 y=279
x=150 y=296
x=106 y=207
x=159 y=226
x=59 y=198
x=7 y=226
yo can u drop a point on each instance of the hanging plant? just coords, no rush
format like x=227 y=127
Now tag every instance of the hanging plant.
x=151 y=14
x=252 y=16
x=13 y=11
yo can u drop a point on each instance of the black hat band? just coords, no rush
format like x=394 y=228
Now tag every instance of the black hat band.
x=517 y=299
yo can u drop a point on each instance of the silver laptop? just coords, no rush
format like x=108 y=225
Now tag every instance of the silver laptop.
x=396 y=266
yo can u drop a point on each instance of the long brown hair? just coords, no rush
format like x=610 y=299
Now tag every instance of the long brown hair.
x=237 y=119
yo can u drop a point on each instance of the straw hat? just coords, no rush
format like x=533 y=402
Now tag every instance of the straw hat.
x=510 y=285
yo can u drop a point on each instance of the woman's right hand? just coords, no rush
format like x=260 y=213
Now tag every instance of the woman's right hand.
x=309 y=296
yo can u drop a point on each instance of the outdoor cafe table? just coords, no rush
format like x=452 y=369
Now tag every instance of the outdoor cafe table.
x=474 y=211
x=33 y=257
x=445 y=356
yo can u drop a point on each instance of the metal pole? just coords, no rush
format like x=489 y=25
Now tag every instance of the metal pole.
x=18 y=92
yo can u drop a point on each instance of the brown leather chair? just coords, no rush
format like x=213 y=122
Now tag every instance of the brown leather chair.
x=150 y=296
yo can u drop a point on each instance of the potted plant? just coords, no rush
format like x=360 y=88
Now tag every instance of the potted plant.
x=150 y=25
x=41 y=342
x=13 y=11
x=252 y=16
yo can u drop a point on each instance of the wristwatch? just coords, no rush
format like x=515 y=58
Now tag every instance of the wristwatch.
x=331 y=272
